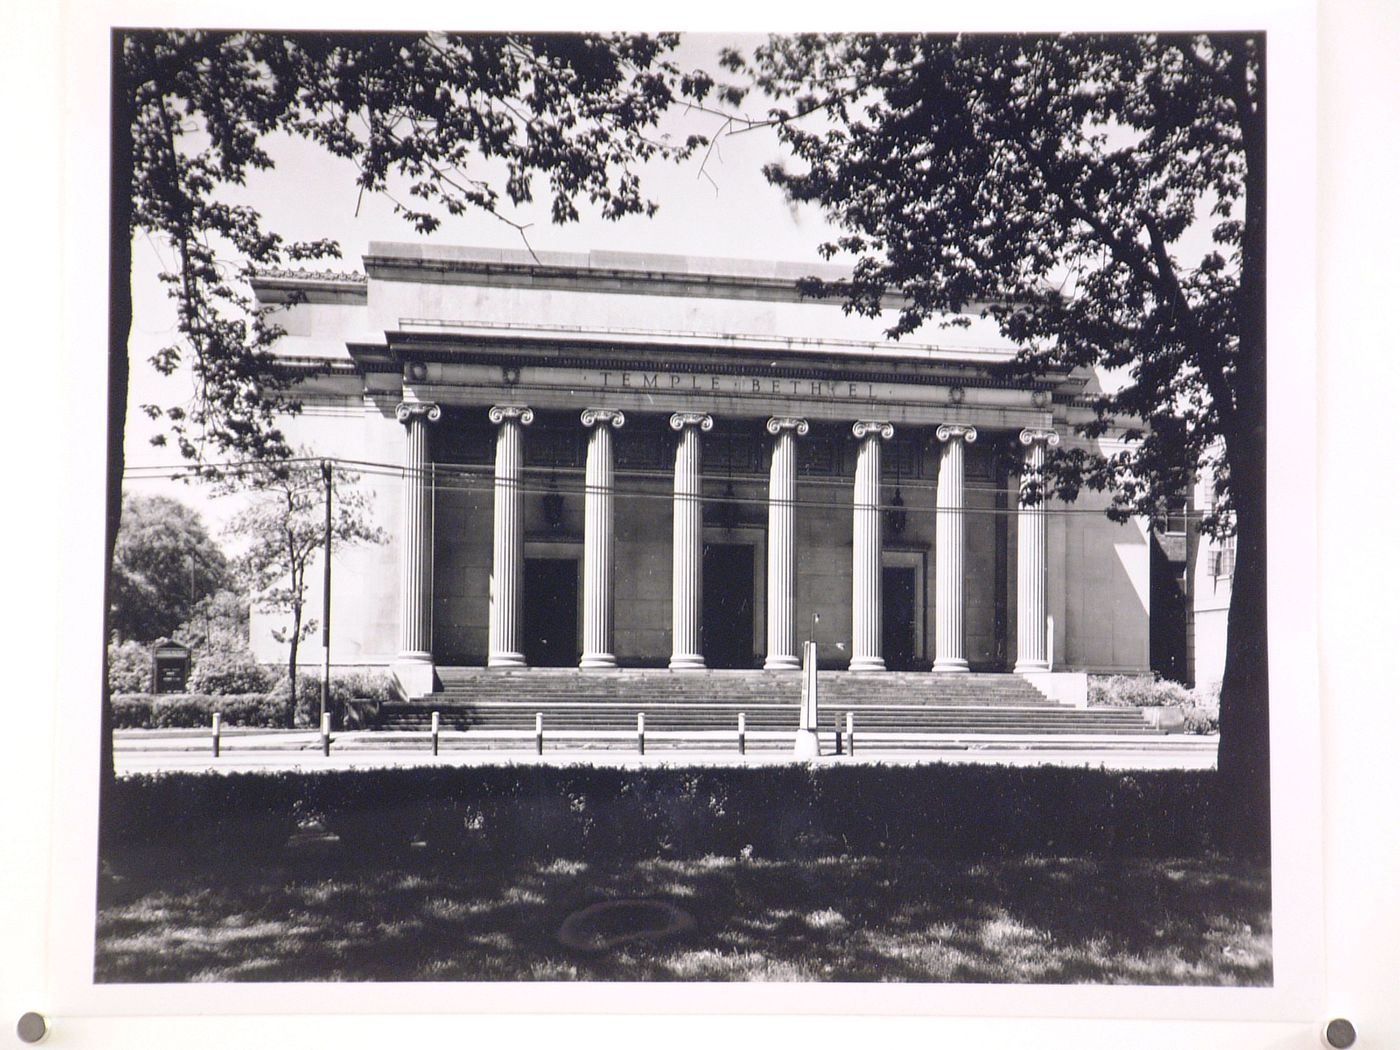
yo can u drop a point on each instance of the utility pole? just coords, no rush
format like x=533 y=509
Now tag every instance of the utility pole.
x=326 y=601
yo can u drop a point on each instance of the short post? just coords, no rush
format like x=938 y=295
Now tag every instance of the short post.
x=539 y=734
x=436 y=725
x=836 y=720
x=741 y=733
x=325 y=733
x=850 y=733
x=641 y=733
x=218 y=727
x=1049 y=643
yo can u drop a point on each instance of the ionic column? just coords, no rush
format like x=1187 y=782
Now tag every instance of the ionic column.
x=866 y=573
x=782 y=544
x=1031 y=654
x=507 y=554
x=598 y=539
x=948 y=552
x=414 y=664
x=687 y=539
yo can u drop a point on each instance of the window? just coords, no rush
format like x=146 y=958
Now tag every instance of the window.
x=1222 y=559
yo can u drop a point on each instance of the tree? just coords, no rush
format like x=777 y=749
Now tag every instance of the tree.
x=164 y=565
x=450 y=121
x=1102 y=198
x=284 y=528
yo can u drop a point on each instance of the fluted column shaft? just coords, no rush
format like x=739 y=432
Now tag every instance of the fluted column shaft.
x=687 y=543
x=507 y=548
x=781 y=652
x=598 y=539
x=949 y=542
x=416 y=552
x=1031 y=654
x=866 y=550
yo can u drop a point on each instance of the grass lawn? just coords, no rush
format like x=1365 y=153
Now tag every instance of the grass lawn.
x=317 y=910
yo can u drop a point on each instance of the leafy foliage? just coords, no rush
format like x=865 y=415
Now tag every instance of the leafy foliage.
x=196 y=710
x=165 y=564
x=284 y=527
x=1102 y=199
x=226 y=669
x=441 y=123
x=128 y=667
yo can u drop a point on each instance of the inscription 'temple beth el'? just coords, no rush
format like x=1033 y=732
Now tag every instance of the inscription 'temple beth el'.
x=662 y=382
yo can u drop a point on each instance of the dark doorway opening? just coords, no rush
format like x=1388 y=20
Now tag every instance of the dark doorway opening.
x=726 y=634
x=898 y=609
x=550 y=618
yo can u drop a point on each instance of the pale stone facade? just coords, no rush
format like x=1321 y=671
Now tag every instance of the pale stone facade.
x=609 y=460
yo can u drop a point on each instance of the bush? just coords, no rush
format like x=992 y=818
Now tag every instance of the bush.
x=1201 y=708
x=195 y=711
x=128 y=668
x=345 y=686
x=228 y=670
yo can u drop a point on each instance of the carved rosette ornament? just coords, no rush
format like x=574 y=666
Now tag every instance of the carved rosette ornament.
x=880 y=429
x=1032 y=435
x=778 y=424
x=521 y=414
x=408 y=410
x=949 y=431
x=610 y=416
x=681 y=420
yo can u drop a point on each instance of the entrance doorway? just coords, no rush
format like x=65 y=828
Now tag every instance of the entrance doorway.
x=726 y=633
x=898 y=615
x=550 y=626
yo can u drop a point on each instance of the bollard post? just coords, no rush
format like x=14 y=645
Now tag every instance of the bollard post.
x=837 y=721
x=539 y=734
x=641 y=733
x=218 y=726
x=326 y=733
x=435 y=732
x=741 y=733
x=850 y=733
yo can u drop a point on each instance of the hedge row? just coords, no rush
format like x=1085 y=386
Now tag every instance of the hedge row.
x=269 y=710
x=593 y=812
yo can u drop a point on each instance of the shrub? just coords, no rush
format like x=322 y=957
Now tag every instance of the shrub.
x=227 y=670
x=1136 y=691
x=345 y=686
x=194 y=711
x=128 y=667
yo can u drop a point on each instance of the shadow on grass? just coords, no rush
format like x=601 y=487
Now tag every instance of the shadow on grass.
x=319 y=910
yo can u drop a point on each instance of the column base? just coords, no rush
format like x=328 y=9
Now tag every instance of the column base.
x=864 y=664
x=1032 y=666
x=950 y=665
x=414 y=673
x=806 y=745
x=687 y=662
x=598 y=662
x=506 y=660
x=783 y=662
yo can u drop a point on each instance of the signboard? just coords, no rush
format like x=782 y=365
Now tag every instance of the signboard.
x=170 y=668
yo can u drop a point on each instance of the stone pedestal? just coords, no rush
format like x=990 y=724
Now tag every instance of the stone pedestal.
x=866 y=548
x=1031 y=643
x=949 y=542
x=598 y=540
x=687 y=543
x=781 y=654
x=413 y=666
x=507 y=551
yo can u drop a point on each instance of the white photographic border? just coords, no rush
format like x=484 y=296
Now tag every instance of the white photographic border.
x=50 y=738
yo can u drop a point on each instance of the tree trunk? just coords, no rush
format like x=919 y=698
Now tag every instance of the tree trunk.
x=118 y=382
x=292 y=667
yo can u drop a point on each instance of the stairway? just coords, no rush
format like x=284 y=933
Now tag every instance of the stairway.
x=473 y=698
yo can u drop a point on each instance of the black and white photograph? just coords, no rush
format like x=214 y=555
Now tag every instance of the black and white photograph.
x=626 y=507
x=591 y=519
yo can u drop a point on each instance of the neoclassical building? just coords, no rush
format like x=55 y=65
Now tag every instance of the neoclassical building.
x=616 y=460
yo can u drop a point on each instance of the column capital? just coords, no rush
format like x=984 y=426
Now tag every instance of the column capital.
x=952 y=431
x=522 y=414
x=408 y=410
x=863 y=427
x=778 y=424
x=681 y=420
x=1034 y=435
x=608 y=416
